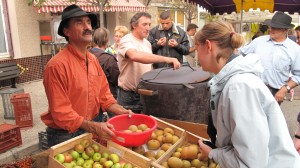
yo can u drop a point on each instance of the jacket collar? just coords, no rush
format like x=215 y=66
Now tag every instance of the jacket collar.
x=174 y=28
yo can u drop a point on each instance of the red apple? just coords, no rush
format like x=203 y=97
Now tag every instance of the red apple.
x=60 y=158
x=85 y=143
x=68 y=158
x=102 y=160
x=89 y=151
x=79 y=148
x=96 y=147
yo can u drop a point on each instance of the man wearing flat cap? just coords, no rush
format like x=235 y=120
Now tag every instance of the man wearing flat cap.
x=75 y=84
x=279 y=55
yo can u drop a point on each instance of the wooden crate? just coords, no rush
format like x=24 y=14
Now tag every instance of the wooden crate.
x=160 y=125
x=188 y=138
x=124 y=155
x=195 y=128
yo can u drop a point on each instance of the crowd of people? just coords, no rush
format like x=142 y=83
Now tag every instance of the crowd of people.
x=248 y=85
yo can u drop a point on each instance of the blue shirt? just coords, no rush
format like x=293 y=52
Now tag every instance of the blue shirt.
x=278 y=59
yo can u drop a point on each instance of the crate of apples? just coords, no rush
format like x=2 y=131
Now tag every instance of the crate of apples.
x=83 y=152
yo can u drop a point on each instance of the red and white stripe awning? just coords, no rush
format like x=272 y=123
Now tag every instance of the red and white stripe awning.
x=55 y=6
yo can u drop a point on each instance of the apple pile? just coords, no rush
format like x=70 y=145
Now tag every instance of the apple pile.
x=87 y=155
x=188 y=156
x=136 y=129
x=161 y=140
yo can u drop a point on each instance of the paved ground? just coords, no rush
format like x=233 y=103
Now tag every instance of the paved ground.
x=39 y=104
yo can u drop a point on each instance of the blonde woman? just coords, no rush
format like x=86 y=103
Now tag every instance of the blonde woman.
x=119 y=32
x=251 y=130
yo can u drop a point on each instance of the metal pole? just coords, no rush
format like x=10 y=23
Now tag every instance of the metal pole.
x=242 y=8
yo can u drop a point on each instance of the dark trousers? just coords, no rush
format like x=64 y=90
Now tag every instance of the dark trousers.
x=130 y=100
x=56 y=136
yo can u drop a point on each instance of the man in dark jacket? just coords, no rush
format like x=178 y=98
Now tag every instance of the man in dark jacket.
x=168 y=40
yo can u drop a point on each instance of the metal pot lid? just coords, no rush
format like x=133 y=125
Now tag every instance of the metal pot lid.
x=168 y=75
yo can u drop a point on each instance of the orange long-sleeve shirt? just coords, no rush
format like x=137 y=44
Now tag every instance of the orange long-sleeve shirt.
x=74 y=91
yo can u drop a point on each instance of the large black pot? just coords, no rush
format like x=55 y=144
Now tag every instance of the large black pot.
x=176 y=94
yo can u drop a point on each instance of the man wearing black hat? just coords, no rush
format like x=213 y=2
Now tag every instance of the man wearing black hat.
x=75 y=84
x=279 y=56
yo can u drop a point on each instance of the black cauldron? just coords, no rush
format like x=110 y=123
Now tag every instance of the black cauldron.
x=176 y=94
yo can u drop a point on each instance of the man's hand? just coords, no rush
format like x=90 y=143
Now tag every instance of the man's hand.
x=102 y=129
x=176 y=64
x=279 y=96
x=173 y=43
x=162 y=41
x=129 y=112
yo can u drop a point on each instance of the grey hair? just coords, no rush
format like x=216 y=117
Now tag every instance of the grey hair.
x=135 y=18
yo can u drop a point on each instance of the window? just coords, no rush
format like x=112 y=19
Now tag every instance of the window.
x=3 y=37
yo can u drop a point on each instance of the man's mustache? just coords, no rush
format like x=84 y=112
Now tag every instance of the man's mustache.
x=87 y=32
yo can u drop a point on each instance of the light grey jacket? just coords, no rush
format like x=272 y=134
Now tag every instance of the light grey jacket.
x=252 y=131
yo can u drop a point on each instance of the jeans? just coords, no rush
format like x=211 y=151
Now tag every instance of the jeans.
x=56 y=136
x=128 y=98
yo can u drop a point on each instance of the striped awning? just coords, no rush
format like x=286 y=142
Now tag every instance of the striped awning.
x=55 y=6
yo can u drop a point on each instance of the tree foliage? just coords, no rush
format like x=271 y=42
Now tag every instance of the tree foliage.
x=189 y=9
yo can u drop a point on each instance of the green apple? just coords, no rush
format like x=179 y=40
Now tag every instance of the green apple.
x=97 y=165
x=105 y=155
x=117 y=165
x=73 y=163
x=74 y=154
x=108 y=164
x=91 y=161
x=87 y=165
x=127 y=165
x=114 y=158
x=96 y=157
x=80 y=161
x=60 y=158
x=85 y=156
x=68 y=165
x=77 y=167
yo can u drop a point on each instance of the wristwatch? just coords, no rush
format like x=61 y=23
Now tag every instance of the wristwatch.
x=288 y=88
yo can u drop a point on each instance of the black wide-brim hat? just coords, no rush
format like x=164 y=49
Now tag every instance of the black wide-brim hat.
x=280 y=20
x=71 y=12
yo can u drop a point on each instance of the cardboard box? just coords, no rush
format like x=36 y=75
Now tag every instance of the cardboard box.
x=195 y=128
x=124 y=155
